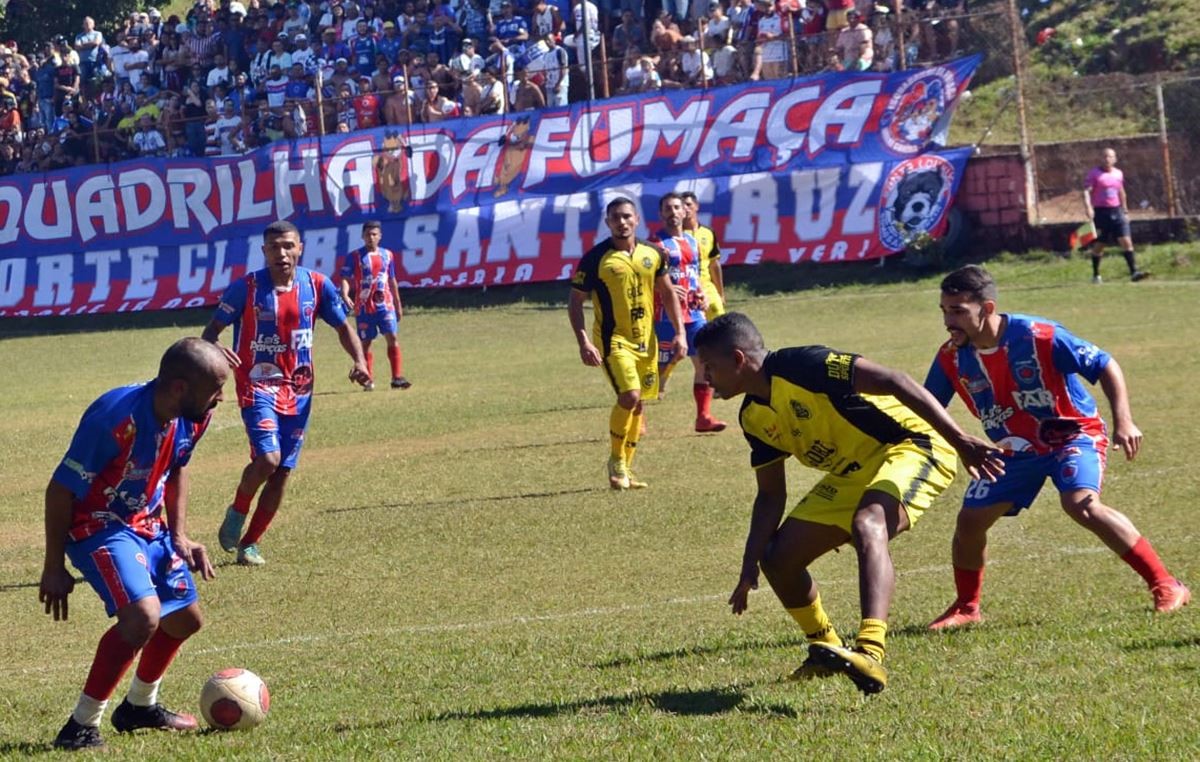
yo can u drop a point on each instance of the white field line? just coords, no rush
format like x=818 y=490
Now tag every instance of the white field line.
x=516 y=621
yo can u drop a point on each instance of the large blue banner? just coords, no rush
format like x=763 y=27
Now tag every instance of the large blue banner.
x=824 y=168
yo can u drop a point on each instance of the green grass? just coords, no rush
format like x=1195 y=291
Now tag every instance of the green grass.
x=450 y=577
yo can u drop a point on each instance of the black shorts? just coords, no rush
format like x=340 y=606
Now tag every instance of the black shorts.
x=1111 y=224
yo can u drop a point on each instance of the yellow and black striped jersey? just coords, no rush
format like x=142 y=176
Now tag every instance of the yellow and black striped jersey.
x=622 y=288
x=815 y=414
x=706 y=239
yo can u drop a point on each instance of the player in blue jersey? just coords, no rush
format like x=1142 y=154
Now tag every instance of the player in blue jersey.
x=682 y=255
x=117 y=506
x=273 y=313
x=1021 y=377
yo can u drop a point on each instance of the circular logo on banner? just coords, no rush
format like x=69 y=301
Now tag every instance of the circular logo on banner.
x=302 y=380
x=908 y=121
x=914 y=199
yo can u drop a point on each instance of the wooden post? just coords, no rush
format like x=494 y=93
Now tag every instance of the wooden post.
x=408 y=92
x=703 y=27
x=319 y=80
x=1165 y=144
x=795 y=56
x=603 y=67
x=1017 y=34
x=96 y=141
x=587 y=49
x=902 y=52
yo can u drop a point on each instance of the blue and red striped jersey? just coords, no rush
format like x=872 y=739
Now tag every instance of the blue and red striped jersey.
x=273 y=335
x=368 y=273
x=119 y=461
x=1027 y=391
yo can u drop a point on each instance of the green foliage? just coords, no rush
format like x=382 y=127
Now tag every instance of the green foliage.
x=451 y=578
x=33 y=22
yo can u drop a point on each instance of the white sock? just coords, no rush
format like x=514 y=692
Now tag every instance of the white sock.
x=88 y=710
x=142 y=693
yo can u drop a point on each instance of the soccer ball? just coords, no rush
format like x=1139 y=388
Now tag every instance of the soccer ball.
x=234 y=699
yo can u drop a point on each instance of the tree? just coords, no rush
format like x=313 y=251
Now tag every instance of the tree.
x=33 y=22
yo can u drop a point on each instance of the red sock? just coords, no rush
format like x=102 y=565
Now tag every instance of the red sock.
x=113 y=657
x=1145 y=562
x=397 y=361
x=241 y=501
x=258 y=526
x=703 y=394
x=969 y=584
x=157 y=656
x=370 y=364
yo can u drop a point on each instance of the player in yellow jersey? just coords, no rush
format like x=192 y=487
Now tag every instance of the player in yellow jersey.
x=621 y=275
x=887 y=448
x=712 y=278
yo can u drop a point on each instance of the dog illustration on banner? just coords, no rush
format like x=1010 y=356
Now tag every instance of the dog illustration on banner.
x=914 y=200
x=517 y=144
x=391 y=170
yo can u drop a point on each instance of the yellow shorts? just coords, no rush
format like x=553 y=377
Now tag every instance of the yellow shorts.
x=716 y=306
x=628 y=370
x=912 y=472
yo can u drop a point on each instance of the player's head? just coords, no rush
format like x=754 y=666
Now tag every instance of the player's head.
x=691 y=208
x=622 y=218
x=282 y=246
x=968 y=302
x=671 y=212
x=372 y=233
x=730 y=350
x=191 y=375
x=1108 y=158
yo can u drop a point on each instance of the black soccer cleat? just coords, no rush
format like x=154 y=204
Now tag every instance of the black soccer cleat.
x=76 y=737
x=400 y=382
x=128 y=718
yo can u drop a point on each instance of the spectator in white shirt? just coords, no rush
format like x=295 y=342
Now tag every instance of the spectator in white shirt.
x=695 y=63
x=148 y=141
x=229 y=130
x=219 y=74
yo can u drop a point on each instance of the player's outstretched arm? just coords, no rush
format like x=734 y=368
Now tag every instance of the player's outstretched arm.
x=1126 y=434
x=57 y=583
x=349 y=340
x=587 y=351
x=175 y=497
x=212 y=334
x=980 y=457
x=769 y=505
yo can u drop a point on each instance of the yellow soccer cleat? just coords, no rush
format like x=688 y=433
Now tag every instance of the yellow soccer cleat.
x=618 y=474
x=863 y=670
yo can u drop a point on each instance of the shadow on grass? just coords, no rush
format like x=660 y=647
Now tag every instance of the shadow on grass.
x=467 y=499
x=756 y=280
x=686 y=652
x=1159 y=643
x=706 y=702
x=14 y=586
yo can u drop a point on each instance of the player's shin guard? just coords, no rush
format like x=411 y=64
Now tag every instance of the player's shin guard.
x=370 y=364
x=258 y=526
x=815 y=623
x=968 y=583
x=631 y=439
x=396 y=360
x=872 y=638
x=1130 y=261
x=113 y=657
x=1146 y=562
x=619 y=421
x=156 y=657
x=703 y=394
x=241 y=501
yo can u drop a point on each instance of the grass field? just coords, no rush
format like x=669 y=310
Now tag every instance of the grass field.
x=451 y=578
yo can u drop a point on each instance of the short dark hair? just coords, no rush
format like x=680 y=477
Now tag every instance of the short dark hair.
x=280 y=227
x=617 y=203
x=972 y=280
x=372 y=225
x=689 y=196
x=672 y=196
x=731 y=331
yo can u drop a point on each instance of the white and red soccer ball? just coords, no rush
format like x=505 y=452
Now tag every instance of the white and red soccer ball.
x=234 y=699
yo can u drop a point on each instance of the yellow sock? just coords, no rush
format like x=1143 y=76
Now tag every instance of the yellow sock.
x=618 y=429
x=816 y=625
x=631 y=438
x=872 y=637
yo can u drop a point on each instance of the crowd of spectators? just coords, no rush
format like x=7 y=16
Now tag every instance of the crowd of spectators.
x=233 y=75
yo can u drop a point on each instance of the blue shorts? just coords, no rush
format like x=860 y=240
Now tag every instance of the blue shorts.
x=1078 y=465
x=123 y=567
x=271 y=432
x=666 y=334
x=375 y=323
